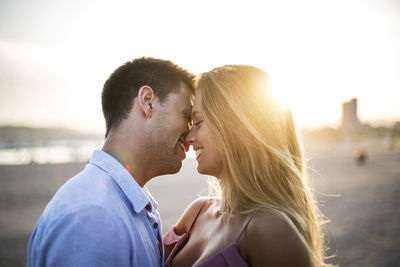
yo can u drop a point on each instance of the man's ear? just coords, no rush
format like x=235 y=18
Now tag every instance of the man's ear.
x=145 y=99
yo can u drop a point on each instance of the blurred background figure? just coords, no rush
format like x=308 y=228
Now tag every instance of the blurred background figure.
x=360 y=156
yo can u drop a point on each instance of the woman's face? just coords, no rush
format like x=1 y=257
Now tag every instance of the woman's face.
x=207 y=153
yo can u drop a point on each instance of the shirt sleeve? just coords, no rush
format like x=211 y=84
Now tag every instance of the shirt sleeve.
x=86 y=236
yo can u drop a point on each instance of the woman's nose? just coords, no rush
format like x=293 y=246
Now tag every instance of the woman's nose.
x=190 y=137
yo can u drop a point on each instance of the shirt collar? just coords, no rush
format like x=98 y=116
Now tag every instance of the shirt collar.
x=150 y=197
x=137 y=196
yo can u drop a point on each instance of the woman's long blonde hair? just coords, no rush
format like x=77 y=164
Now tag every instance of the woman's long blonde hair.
x=260 y=150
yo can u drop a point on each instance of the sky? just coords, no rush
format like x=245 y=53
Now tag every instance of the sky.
x=56 y=55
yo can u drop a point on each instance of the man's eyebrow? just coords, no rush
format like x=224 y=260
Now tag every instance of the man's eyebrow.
x=188 y=106
x=187 y=112
x=187 y=109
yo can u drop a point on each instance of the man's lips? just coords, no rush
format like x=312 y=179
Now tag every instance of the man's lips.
x=184 y=147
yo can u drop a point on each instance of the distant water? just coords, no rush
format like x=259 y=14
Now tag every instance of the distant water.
x=45 y=154
x=52 y=154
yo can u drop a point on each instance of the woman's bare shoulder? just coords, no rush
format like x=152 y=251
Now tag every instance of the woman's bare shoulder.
x=187 y=217
x=271 y=240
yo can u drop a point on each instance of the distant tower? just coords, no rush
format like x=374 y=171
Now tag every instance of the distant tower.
x=350 y=121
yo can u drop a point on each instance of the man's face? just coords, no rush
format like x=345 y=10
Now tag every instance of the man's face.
x=171 y=125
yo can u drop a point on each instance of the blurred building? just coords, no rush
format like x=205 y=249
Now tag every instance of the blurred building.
x=396 y=126
x=350 y=122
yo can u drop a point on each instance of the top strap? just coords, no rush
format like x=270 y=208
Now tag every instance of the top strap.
x=245 y=226
x=197 y=215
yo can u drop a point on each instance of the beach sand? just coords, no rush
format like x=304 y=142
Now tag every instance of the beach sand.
x=361 y=201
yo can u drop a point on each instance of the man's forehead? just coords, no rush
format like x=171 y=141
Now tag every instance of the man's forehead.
x=184 y=88
x=187 y=104
x=191 y=97
x=190 y=92
x=184 y=94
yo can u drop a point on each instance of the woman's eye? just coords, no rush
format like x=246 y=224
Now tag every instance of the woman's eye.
x=197 y=123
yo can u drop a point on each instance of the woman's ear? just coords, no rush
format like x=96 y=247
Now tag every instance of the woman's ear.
x=145 y=100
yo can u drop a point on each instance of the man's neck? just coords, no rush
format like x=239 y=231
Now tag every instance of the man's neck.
x=133 y=161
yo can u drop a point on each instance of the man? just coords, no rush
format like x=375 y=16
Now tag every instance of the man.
x=104 y=216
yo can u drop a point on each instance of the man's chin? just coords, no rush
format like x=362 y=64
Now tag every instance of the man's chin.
x=177 y=168
x=174 y=168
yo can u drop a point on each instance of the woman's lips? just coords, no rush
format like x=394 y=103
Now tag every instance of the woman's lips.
x=199 y=151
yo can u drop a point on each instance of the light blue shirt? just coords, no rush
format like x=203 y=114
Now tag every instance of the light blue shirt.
x=100 y=217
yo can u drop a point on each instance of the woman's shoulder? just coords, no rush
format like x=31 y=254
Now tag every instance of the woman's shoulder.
x=190 y=213
x=272 y=238
x=269 y=220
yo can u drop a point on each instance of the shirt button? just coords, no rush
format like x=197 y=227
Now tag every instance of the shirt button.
x=148 y=207
x=155 y=225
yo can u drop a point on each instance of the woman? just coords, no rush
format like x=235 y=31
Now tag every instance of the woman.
x=265 y=215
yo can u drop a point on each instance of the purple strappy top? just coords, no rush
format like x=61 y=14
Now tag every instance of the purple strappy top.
x=228 y=257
